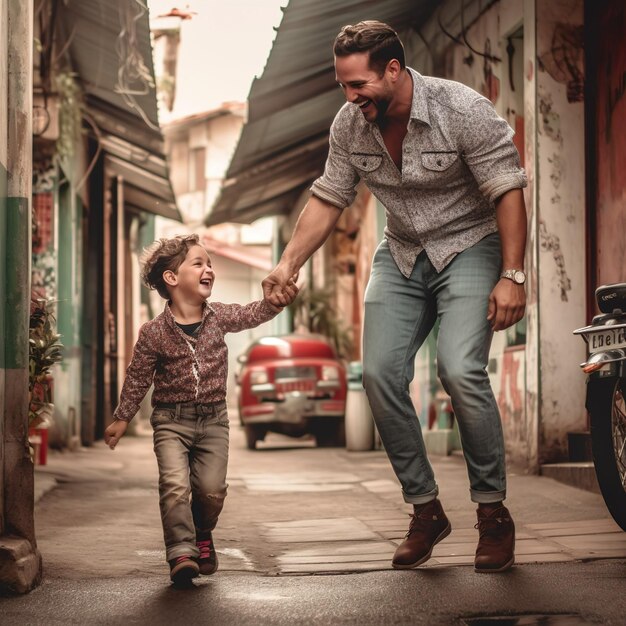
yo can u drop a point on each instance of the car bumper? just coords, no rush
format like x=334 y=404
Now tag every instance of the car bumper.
x=295 y=409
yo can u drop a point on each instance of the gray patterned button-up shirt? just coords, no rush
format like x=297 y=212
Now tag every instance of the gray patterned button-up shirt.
x=457 y=159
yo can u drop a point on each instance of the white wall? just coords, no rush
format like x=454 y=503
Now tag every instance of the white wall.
x=560 y=234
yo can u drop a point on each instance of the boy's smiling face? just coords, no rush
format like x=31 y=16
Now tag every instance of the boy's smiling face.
x=195 y=276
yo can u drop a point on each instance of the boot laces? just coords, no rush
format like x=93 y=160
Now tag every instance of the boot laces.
x=491 y=526
x=205 y=548
x=419 y=522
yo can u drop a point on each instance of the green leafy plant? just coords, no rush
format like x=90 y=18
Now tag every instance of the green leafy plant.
x=70 y=113
x=44 y=350
x=315 y=309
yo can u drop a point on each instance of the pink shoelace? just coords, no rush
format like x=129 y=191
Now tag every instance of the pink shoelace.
x=205 y=548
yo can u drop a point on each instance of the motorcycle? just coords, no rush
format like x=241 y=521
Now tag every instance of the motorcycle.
x=606 y=395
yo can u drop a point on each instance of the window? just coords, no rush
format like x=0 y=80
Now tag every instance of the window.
x=197 y=162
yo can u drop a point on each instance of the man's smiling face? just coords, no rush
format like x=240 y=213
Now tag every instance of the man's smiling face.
x=364 y=86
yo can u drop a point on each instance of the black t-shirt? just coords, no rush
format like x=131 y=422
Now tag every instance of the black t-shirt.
x=189 y=329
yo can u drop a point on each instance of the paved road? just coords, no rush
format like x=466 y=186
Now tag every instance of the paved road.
x=295 y=510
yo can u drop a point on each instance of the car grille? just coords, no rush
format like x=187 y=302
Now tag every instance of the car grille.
x=285 y=374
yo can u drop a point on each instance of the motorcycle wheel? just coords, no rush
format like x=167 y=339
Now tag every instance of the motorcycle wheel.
x=607 y=407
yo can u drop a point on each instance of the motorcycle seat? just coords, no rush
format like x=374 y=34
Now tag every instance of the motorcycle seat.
x=611 y=298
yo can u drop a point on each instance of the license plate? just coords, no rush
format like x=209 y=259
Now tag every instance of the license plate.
x=283 y=373
x=606 y=339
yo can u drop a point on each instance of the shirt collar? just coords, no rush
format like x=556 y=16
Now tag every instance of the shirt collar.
x=167 y=312
x=419 y=105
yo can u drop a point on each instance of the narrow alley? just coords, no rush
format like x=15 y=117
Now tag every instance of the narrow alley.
x=294 y=510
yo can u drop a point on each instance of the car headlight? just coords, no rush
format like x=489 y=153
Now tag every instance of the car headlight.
x=258 y=377
x=330 y=372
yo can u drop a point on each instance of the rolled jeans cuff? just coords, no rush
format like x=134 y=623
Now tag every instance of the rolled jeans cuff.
x=422 y=498
x=487 y=497
x=181 y=549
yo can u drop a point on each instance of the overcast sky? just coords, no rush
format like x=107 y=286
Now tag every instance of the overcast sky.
x=223 y=47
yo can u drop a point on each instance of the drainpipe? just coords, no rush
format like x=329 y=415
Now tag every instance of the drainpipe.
x=20 y=561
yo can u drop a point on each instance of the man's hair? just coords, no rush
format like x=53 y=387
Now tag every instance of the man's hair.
x=162 y=255
x=379 y=40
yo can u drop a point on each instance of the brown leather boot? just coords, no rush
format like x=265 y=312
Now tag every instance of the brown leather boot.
x=429 y=525
x=496 y=545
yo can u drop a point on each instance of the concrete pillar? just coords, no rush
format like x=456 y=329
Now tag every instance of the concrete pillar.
x=20 y=561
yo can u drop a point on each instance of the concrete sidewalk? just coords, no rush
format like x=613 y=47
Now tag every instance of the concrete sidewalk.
x=293 y=509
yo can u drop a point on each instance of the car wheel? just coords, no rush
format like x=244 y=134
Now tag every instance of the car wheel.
x=253 y=434
x=330 y=434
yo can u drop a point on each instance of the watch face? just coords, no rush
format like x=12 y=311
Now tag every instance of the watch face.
x=519 y=277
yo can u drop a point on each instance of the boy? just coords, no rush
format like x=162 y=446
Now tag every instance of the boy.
x=182 y=351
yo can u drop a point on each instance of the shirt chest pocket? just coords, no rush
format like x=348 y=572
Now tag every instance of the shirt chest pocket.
x=366 y=164
x=439 y=161
x=439 y=169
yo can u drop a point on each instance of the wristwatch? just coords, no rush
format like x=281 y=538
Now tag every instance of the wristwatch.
x=517 y=276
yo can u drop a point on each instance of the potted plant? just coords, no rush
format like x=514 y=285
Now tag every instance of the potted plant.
x=44 y=350
x=314 y=309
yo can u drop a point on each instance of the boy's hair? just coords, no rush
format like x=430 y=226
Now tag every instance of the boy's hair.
x=376 y=38
x=162 y=255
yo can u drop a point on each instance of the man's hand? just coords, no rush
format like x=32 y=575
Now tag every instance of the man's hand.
x=114 y=432
x=507 y=302
x=279 y=285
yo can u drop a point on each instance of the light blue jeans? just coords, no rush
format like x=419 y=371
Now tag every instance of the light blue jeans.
x=191 y=447
x=399 y=314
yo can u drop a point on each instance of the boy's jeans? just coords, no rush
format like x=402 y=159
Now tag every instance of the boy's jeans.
x=399 y=314
x=191 y=446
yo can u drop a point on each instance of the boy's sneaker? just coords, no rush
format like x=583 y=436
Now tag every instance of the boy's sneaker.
x=183 y=569
x=208 y=556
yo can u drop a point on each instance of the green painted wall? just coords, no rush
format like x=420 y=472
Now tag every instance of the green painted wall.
x=16 y=257
x=3 y=257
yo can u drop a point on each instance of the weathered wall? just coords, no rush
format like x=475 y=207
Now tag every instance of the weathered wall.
x=547 y=114
x=560 y=222
x=20 y=561
x=3 y=208
x=504 y=84
x=610 y=143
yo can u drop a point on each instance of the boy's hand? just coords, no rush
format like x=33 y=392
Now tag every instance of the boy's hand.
x=114 y=432
x=287 y=296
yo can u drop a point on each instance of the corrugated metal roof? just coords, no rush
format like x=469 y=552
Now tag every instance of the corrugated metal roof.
x=283 y=145
x=108 y=42
x=110 y=48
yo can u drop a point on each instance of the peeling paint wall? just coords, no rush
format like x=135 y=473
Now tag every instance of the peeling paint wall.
x=499 y=74
x=529 y=381
x=610 y=144
x=3 y=206
x=560 y=222
x=532 y=379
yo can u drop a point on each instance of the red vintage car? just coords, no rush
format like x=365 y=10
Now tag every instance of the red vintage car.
x=294 y=385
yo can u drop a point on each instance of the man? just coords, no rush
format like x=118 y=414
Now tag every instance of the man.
x=442 y=162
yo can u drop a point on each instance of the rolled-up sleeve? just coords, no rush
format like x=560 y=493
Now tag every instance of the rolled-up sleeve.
x=337 y=183
x=489 y=151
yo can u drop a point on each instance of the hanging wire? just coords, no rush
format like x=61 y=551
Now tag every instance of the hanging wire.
x=445 y=32
x=134 y=78
x=467 y=43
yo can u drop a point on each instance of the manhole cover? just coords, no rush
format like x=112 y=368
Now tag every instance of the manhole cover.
x=529 y=620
